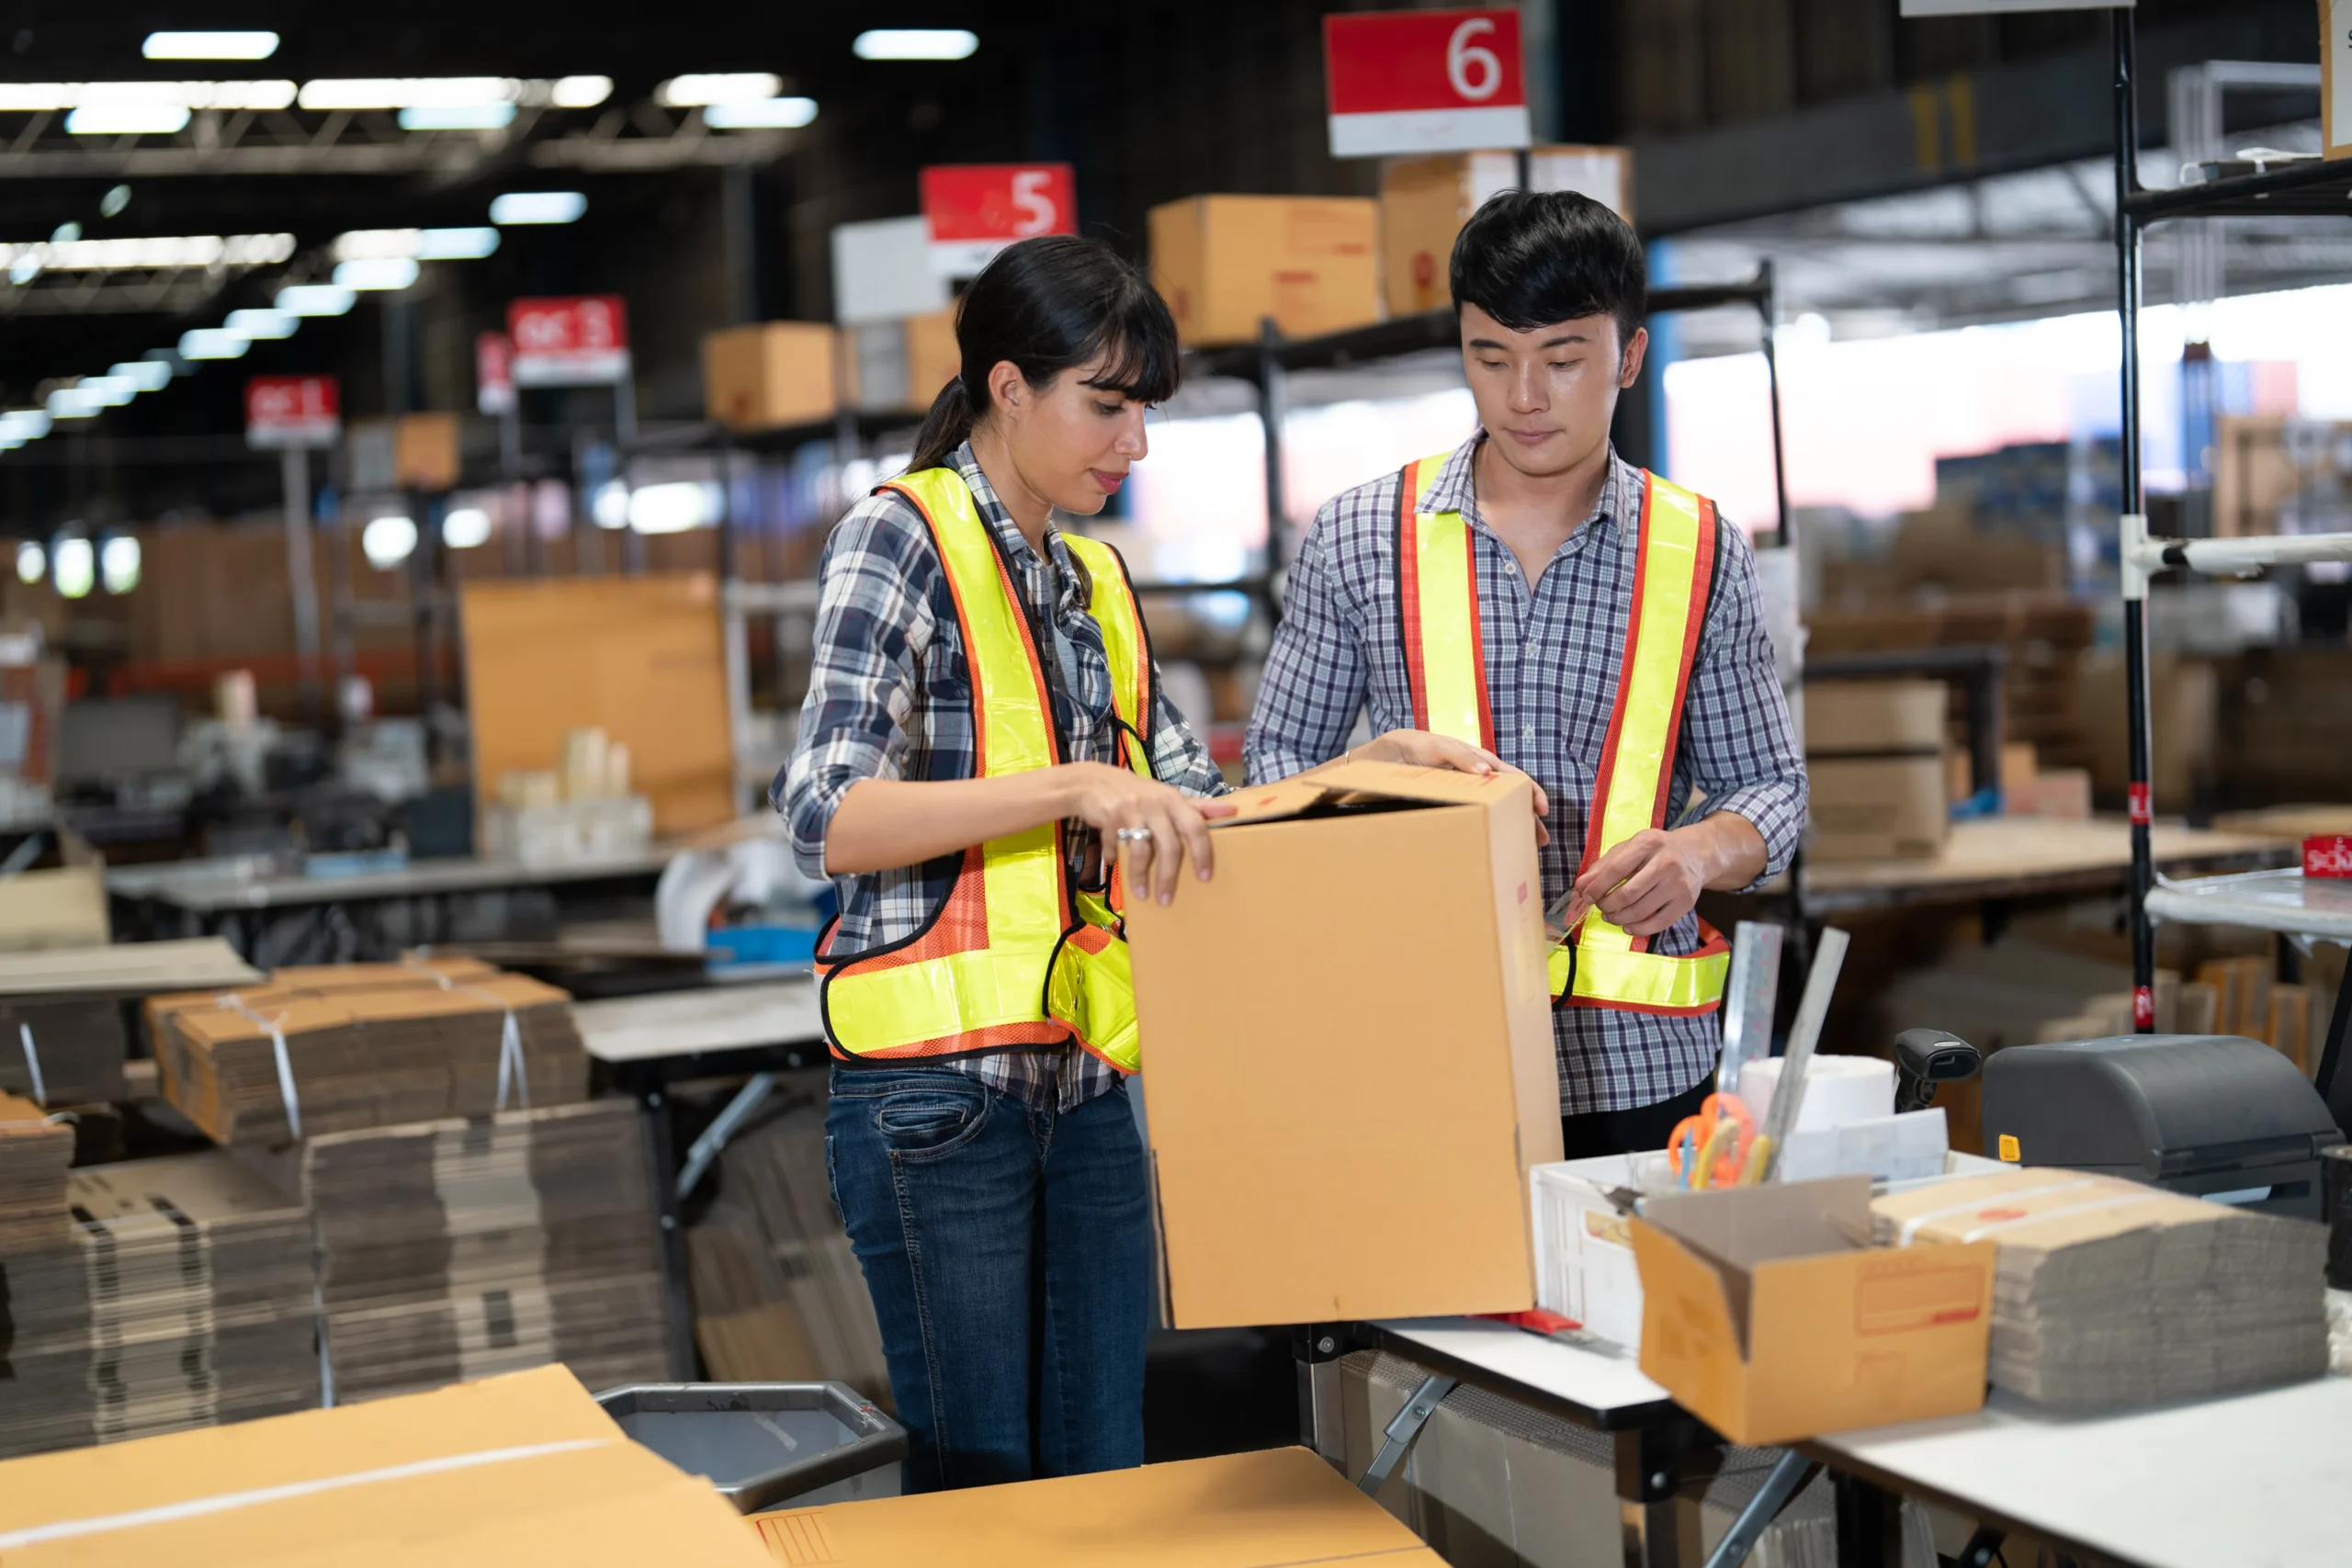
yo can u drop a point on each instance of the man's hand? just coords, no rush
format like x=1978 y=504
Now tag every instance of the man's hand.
x=1422 y=749
x=1654 y=878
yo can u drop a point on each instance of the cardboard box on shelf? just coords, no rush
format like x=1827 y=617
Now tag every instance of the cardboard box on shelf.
x=517 y=1468
x=1846 y=718
x=2063 y=792
x=901 y=365
x=769 y=373
x=1227 y=262
x=1425 y=201
x=1410 y=1008
x=1278 y=1506
x=1768 y=1315
x=1875 y=752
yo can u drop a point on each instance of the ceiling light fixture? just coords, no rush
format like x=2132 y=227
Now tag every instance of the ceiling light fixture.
x=537 y=207
x=315 y=299
x=150 y=251
x=49 y=97
x=411 y=92
x=212 y=343
x=112 y=391
x=32 y=562
x=209 y=45
x=126 y=120
x=382 y=273
x=760 y=114
x=916 y=43
x=457 y=117
x=698 y=90
x=578 y=91
x=456 y=244
x=263 y=325
x=75 y=565
x=24 y=425
x=76 y=403
x=148 y=375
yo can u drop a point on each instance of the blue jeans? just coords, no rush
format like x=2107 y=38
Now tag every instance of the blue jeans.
x=1009 y=1253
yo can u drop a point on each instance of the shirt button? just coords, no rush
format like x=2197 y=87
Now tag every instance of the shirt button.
x=1527 y=732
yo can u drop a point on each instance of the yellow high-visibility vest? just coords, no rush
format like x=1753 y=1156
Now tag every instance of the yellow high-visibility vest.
x=1014 y=955
x=1436 y=595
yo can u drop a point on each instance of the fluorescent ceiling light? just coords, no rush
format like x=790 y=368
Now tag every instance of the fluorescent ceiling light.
x=112 y=391
x=118 y=563
x=464 y=527
x=209 y=45
x=388 y=272
x=578 y=91
x=24 y=425
x=387 y=541
x=76 y=403
x=457 y=117
x=410 y=91
x=126 y=120
x=38 y=98
x=147 y=375
x=172 y=358
x=537 y=207
x=763 y=114
x=718 y=87
x=315 y=299
x=76 y=567
x=416 y=245
x=263 y=325
x=32 y=562
x=456 y=244
x=152 y=252
x=916 y=43
x=212 y=343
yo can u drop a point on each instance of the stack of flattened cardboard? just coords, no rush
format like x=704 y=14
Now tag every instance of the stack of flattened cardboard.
x=521 y=1469
x=34 y=1154
x=182 y=1298
x=2108 y=1294
x=63 y=1040
x=453 y=1249
x=365 y=1045
x=778 y=1294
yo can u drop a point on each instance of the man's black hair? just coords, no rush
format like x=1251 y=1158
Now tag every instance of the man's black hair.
x=1530 y=258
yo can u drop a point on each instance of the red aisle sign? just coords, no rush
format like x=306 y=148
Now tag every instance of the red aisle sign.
x=1424 y=82
x=291 y=410
x=975 y=209
x=493 y=372
x=578 y=342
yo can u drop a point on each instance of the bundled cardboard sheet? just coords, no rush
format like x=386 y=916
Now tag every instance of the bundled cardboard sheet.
x=2110 y=1294
x=34 y=1154
x=454 y=1249
x=181 y=1298
x=516 y=1470
x=778 y=1294
x=329 y=1050
x=62 y=1034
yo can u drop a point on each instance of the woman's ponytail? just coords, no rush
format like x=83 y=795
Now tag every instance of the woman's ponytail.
x=945 y=428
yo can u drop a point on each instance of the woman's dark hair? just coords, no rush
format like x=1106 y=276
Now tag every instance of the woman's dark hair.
x=1048 y=304
x=1531 y=258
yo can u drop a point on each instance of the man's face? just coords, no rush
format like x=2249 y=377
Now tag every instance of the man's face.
x=1546 y=397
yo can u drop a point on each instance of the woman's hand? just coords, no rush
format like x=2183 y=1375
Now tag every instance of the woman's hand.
x=1422 y=749
x=1152 y=825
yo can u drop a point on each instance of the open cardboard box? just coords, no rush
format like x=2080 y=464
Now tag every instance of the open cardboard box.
x=1766 y=1313
x=1347 y=1060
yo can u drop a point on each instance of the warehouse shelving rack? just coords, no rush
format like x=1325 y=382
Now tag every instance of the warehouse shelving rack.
x=2281 y=902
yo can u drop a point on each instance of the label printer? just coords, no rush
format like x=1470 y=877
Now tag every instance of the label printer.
x=2206 y=1115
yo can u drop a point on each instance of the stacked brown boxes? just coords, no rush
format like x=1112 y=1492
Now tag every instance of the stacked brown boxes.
x=769 y=373
x=1874 y=752
x=454 y=1249
x=1424 y=202
x=1226 y=263
x=34 y=1154
x=181 y=1297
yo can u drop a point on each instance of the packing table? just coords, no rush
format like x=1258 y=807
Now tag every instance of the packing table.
x=649 y=1043
x=2244 y=1479
x=1994 y=859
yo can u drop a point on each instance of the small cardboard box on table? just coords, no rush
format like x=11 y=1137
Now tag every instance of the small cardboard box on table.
x=1348 y=1060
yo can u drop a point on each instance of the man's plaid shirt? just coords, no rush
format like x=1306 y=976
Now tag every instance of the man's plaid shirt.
x=889 y=697
x=1552 y=660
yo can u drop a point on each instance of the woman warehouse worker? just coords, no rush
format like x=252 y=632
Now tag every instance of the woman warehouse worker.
x=983 y=715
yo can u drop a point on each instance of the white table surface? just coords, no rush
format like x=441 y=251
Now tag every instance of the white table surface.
x=2266 y=900
x=713 y=1018
x=206 y=888
x=1598 y=1380
x=2259 y=1480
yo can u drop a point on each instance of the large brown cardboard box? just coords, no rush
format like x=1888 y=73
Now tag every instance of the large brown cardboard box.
x=901 y=364
x=1425 y=201
x=1347 y=1041
x=1225 y=263
x=1276 y=1508
x=769 y=373
x=1874 y=754
x=511 y=1470
x=1766 y=1313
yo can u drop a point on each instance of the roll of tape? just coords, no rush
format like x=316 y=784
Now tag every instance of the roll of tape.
x=1838 y=1090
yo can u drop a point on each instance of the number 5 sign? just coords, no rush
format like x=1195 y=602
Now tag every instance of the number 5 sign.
x=975 y=209
x=1424 y=82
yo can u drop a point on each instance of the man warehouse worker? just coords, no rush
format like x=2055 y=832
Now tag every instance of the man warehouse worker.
x=1532 y=597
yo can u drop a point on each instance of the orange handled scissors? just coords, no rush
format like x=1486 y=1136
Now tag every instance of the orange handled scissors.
x=1719 y=1139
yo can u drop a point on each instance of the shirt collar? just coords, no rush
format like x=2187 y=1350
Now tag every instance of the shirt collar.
x=1456 y=486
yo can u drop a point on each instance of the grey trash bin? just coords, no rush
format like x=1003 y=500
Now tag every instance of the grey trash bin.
x=765 y=1444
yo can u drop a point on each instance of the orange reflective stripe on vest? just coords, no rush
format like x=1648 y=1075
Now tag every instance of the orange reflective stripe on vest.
x=996 y=967
x=1438 y=602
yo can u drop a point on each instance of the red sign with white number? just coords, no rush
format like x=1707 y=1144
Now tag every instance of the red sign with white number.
x=975 y=209
x=292 y=410
x=577 y=341
x=1424 y=82
x=493 y=372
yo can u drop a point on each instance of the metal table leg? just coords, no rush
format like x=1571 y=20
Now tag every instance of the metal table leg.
x=661 y=1154
x=1656 y=1466
x=1870 y=1524
x=1399 y=1437
x=705 y=1150
x=1789 y=1477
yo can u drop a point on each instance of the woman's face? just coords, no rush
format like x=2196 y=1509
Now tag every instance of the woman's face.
x=1072 y=444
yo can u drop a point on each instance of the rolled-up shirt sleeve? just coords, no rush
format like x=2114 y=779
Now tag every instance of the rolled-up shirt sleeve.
x=875 y=620
x=1742 y=745
x=1313 y=689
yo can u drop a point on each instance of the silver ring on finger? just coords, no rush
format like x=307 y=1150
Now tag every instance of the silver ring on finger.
x=1135 y=835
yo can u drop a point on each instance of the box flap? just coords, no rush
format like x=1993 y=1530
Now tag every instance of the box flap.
x=1747 y=1225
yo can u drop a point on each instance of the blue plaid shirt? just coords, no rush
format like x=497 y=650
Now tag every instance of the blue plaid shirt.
x=1552 y=660
x=889 y=697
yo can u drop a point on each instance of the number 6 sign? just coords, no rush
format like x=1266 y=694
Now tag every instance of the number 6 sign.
x=1424 y=82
